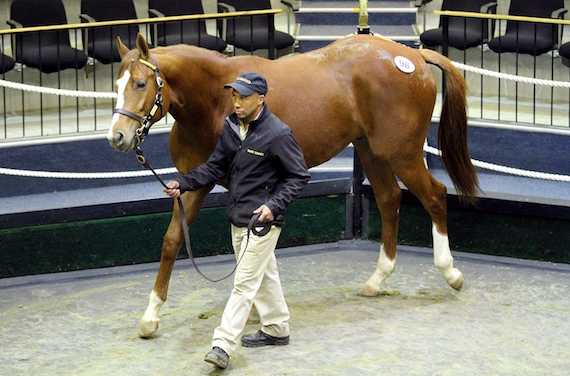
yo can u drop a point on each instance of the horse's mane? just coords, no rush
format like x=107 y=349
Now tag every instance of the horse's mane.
x=187 y=50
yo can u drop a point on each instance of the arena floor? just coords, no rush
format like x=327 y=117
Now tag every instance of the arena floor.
x=511 y=318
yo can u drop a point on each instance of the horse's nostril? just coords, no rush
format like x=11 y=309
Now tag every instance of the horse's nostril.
x=119 y=138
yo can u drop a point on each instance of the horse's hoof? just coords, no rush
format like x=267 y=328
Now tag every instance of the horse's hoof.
x=458 y=284
x=147 y=328
x=368 y=292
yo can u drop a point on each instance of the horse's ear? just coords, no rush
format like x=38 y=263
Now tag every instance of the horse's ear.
x=122 y=48
x=142 y=46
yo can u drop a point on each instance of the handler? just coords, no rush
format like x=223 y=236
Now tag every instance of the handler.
x=266 y=171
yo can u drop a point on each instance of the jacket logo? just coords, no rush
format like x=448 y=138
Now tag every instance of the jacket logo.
x=255 y=152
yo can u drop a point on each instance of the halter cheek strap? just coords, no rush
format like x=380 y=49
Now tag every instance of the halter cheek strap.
x=145 y=121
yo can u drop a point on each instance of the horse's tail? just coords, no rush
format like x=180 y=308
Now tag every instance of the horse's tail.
x=452 y=132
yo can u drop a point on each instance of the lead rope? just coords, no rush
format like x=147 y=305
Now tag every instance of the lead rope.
x=252 y=226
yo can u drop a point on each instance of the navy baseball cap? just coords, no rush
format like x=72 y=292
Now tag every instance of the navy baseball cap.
x=249 y=83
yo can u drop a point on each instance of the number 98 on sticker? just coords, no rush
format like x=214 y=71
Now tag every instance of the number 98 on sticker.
x=404 y=64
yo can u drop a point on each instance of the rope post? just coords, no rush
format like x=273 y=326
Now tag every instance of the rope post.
x=363 y=27
x=358 y=170
x=444 y=48
x=357 y=180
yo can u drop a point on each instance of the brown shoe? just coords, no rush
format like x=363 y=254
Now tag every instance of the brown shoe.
x=262 y=339
x=218 y=357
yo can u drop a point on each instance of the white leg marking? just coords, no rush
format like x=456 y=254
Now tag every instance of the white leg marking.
x=154 y=305
x=121 y=85
x=443 y=260
x=384 y=269
x=149 y=321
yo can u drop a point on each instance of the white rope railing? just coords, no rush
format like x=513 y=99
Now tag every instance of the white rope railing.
x=173 y=170
x=84 y=175
x=510 y=77
x=123 y=174
x=61 y=92
x=166 y=171
x=507 y=170
x=112 y=95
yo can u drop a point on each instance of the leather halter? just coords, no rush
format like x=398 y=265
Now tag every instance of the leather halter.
x=145 y=121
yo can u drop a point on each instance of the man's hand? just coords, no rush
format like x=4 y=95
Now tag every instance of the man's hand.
x=266 y=214
x=173 y=189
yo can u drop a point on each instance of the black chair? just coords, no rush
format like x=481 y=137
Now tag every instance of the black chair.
x=188 y=32
x=48 y=51
x=529 y=37
x=252 y=33
x=463 y=32
x=564 y=52
x=6 y=63
x=101 y=42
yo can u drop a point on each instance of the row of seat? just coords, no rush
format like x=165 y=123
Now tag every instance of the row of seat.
x=520 y=37
x=51 y=51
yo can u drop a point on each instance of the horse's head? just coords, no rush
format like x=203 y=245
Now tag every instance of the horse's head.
x=142 y=96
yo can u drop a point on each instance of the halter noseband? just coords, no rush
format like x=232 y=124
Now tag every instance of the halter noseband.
x=142 y=132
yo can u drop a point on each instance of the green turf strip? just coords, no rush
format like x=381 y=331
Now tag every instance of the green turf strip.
x=138 y=239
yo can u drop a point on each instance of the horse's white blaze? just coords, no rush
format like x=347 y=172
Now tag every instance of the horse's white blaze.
x=121 y=85
x=154 y=305
x=442 y=258
x=384 y=269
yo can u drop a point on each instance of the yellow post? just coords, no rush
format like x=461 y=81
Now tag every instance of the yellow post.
x=363 y=27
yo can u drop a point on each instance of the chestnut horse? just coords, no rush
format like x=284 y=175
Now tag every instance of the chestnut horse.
x=363 y=89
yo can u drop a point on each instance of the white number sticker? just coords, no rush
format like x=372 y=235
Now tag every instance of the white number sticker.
x=404 y=64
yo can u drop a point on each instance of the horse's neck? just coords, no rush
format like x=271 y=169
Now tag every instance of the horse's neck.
x=196 y=82
x=199 y=103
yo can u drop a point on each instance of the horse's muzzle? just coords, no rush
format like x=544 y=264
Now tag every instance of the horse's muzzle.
x=119 y=141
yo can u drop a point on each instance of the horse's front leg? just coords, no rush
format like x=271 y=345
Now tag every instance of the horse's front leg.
x=388 y=198
x=173 y=238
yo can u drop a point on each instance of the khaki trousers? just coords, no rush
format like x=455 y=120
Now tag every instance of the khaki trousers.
x=256 y=282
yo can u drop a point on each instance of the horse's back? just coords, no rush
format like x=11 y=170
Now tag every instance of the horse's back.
x=357 y=65
x=349 y=88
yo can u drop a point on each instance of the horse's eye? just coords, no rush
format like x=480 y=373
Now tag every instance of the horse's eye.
x=140 y=84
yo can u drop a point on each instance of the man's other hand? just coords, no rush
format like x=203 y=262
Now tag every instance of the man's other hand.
x=266 y=214
x=173 y=189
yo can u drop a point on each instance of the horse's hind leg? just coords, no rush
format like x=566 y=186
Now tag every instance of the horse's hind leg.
x=388 y=197
x=432 y=195
x=172 y=241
